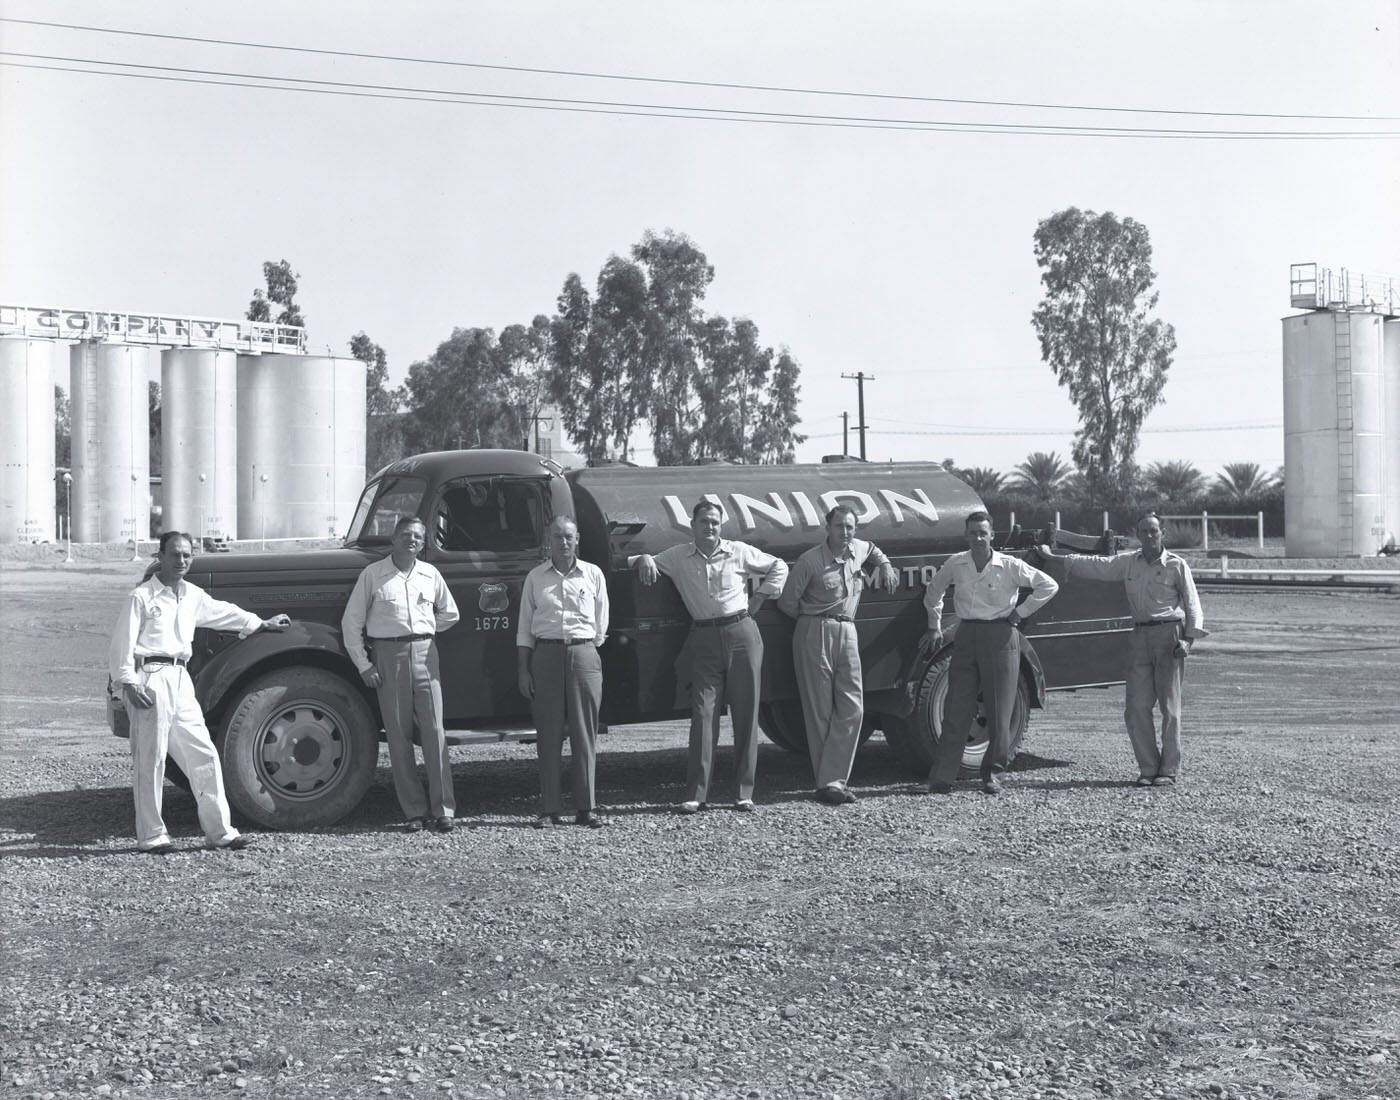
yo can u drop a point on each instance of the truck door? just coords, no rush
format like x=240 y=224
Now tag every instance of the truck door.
x=486 y=533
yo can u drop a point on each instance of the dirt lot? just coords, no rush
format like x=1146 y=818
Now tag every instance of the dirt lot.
x=1236 y=937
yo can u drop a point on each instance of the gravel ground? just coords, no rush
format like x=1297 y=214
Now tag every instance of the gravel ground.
x=1074 y=938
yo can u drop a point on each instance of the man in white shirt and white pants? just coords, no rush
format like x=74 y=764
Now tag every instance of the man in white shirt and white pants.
x=987 y=651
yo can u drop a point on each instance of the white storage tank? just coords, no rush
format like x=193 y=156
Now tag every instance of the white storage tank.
x=111 y=441
x=1390 y=443
x=301 y=445
x=199 y=441
x=26 y=440
x=1337 y=449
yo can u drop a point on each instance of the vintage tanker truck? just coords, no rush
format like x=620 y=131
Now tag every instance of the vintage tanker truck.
x=299 y=733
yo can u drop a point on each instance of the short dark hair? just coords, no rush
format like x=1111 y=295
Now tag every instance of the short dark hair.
x=702 y=504
x=166 y=537
x=404 y=521
x=976 y=517
x=837 y=509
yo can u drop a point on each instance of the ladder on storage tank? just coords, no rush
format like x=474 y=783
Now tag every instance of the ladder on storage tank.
x=1346 y=439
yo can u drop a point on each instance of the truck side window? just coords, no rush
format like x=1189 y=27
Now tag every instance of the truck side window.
x=499 y=515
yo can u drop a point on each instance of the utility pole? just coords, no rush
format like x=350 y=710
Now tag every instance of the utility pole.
x=846 y=435
x=860 y=379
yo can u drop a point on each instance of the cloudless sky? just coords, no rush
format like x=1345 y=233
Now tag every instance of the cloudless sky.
x=904 y=253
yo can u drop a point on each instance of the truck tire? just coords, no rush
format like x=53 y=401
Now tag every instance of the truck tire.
x=782 y=721
x=299 y=748
x=914 y=737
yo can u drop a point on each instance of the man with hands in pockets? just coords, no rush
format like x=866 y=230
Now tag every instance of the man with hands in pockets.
x=396 y=609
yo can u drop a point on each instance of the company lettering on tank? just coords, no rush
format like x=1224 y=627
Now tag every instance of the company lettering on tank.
x=150 y=328
x=799 y=511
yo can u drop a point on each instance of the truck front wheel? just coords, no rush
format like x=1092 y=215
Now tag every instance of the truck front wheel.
x=781 y=721
x=914 y=737
x=299 y=749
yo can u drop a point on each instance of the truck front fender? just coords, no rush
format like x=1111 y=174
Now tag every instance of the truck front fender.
x=303 y=643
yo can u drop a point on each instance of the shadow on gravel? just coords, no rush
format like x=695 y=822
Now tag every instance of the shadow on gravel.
x=84 y=823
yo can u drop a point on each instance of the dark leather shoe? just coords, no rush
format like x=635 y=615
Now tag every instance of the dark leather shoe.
x=238 y=843
x=442 y=825
x=589 y=818
x=847 y=797
x=744 y=805
x=831 y=796
x=991 y=785
x=414 y=824
x=160 y=849
x=544 y=821
x=691 y=807
x=938 y=786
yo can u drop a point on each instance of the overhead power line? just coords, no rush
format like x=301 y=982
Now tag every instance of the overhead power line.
x=677 y=82
x=307 y=85
x=964 y=429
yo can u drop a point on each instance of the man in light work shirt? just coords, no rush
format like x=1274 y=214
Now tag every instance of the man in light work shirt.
x=987 y=651
x=397 y=606
x=724 y=645
x=150 y=647
x=822 y=592
x=1166 y=620
x=563 y=621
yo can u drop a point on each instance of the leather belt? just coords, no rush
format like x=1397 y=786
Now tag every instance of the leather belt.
x=833 y=618
x=723 y=620
x=564 y=641
x=1160 y=622
x=985 y=621
x=159 y=659
x=405 y=638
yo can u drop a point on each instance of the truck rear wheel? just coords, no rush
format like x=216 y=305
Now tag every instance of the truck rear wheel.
x=782 y=721
x=914 y=737
x=299 y=749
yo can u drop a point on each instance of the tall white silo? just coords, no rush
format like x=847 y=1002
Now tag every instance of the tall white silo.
x=1335 y=450
x=199 y=441
x=1390 y=443
x=301 y=444
x=26 y=440
x=111 y=441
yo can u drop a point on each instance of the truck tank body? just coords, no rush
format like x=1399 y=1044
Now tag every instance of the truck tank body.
x=111 y=443
x=301 y=444
x=199 y=441
x=915 y=513
x=26 y=440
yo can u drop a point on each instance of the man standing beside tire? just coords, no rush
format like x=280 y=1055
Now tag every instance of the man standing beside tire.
x=563 y=621
x=724 y=646
x=398 y=606
x=822 y=592
x=1166 y=620
x=150 y=646
x=987 y=651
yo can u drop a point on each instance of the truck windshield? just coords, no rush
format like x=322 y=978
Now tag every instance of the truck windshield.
x=383 y=504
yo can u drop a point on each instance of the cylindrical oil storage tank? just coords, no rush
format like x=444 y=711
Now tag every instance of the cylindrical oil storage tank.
x=301 y=445
x=1390 y=443
x=111 y=441
x=1335 y=460
x=199 y=441
x=26 y=440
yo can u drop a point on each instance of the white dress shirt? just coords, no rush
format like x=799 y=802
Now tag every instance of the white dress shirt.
x=160 y=621
x=571 y=606
x=390 y=603
x=990 y=593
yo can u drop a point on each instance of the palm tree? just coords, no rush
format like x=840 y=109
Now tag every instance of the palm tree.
x=983 y=479
x=1041 y=475
x=1238 y=480
x=1176 y=480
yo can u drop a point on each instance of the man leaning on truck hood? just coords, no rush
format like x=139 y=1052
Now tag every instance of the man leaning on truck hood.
x=724 y=644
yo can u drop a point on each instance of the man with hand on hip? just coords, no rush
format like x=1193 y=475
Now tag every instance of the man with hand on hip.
x=822 y=593
x=724 y=645
x=563 y=621
x=987 y=651
x=398 y=606
x=147 y=660
x=1167 y=618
